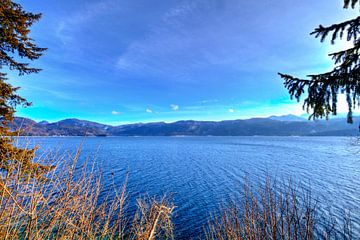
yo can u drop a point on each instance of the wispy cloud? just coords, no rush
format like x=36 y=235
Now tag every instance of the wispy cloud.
x=191 y=36
x=174 y=107
x=231 y=110
x=89 y=12
x=209 y=101
x=169 y=39
x=115 y=112
x=64 y=95
x=148 y=110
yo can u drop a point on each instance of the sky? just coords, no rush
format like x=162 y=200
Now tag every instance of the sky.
x=126 y=61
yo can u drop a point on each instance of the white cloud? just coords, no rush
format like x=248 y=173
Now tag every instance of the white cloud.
x=148 y=110
x=231 y=110
x=174 y=107
x=115 y=112
x=209 y=101
x=124 y=64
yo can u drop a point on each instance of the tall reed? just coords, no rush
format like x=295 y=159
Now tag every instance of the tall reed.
x=67 y=204
x=274 y=212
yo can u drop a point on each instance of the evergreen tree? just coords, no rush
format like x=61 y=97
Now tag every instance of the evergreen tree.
x=323 y=89
x=15 y=45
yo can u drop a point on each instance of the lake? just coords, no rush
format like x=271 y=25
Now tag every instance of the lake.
x=201 y=173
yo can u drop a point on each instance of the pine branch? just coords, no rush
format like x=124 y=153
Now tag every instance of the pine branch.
x=338 y=30
x=351 y=3
x=322 y=89
x=344 y=55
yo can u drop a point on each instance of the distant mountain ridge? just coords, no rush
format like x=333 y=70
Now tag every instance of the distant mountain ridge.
x=288 y=118
x=288 y=125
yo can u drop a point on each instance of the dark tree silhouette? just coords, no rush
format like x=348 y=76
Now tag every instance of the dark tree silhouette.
x=15 y=46
x=323 y=89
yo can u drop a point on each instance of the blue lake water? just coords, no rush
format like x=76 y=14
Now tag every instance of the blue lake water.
x=201 y=173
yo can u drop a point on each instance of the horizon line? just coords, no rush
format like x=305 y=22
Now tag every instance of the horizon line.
x=305 y=118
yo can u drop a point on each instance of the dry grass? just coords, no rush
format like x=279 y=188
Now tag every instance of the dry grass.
x=274 y=212
x=65 y=206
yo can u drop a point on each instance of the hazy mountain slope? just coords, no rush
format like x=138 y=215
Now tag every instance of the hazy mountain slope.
x=249 y=127
x=68 y=127
x=288 y=118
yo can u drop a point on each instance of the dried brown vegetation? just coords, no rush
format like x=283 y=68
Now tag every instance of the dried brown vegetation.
x=274 y=212
x=68 y=204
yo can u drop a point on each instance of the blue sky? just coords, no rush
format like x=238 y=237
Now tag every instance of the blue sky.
x=123 y=61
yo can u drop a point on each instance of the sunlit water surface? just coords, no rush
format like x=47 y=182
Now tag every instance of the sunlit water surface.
x=201 y=173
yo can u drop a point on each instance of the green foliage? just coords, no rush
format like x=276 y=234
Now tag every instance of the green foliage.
x=323 y=89
x=15 y=26
x=15 y=45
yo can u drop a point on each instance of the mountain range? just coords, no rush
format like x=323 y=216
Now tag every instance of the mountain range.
x=288 y=125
